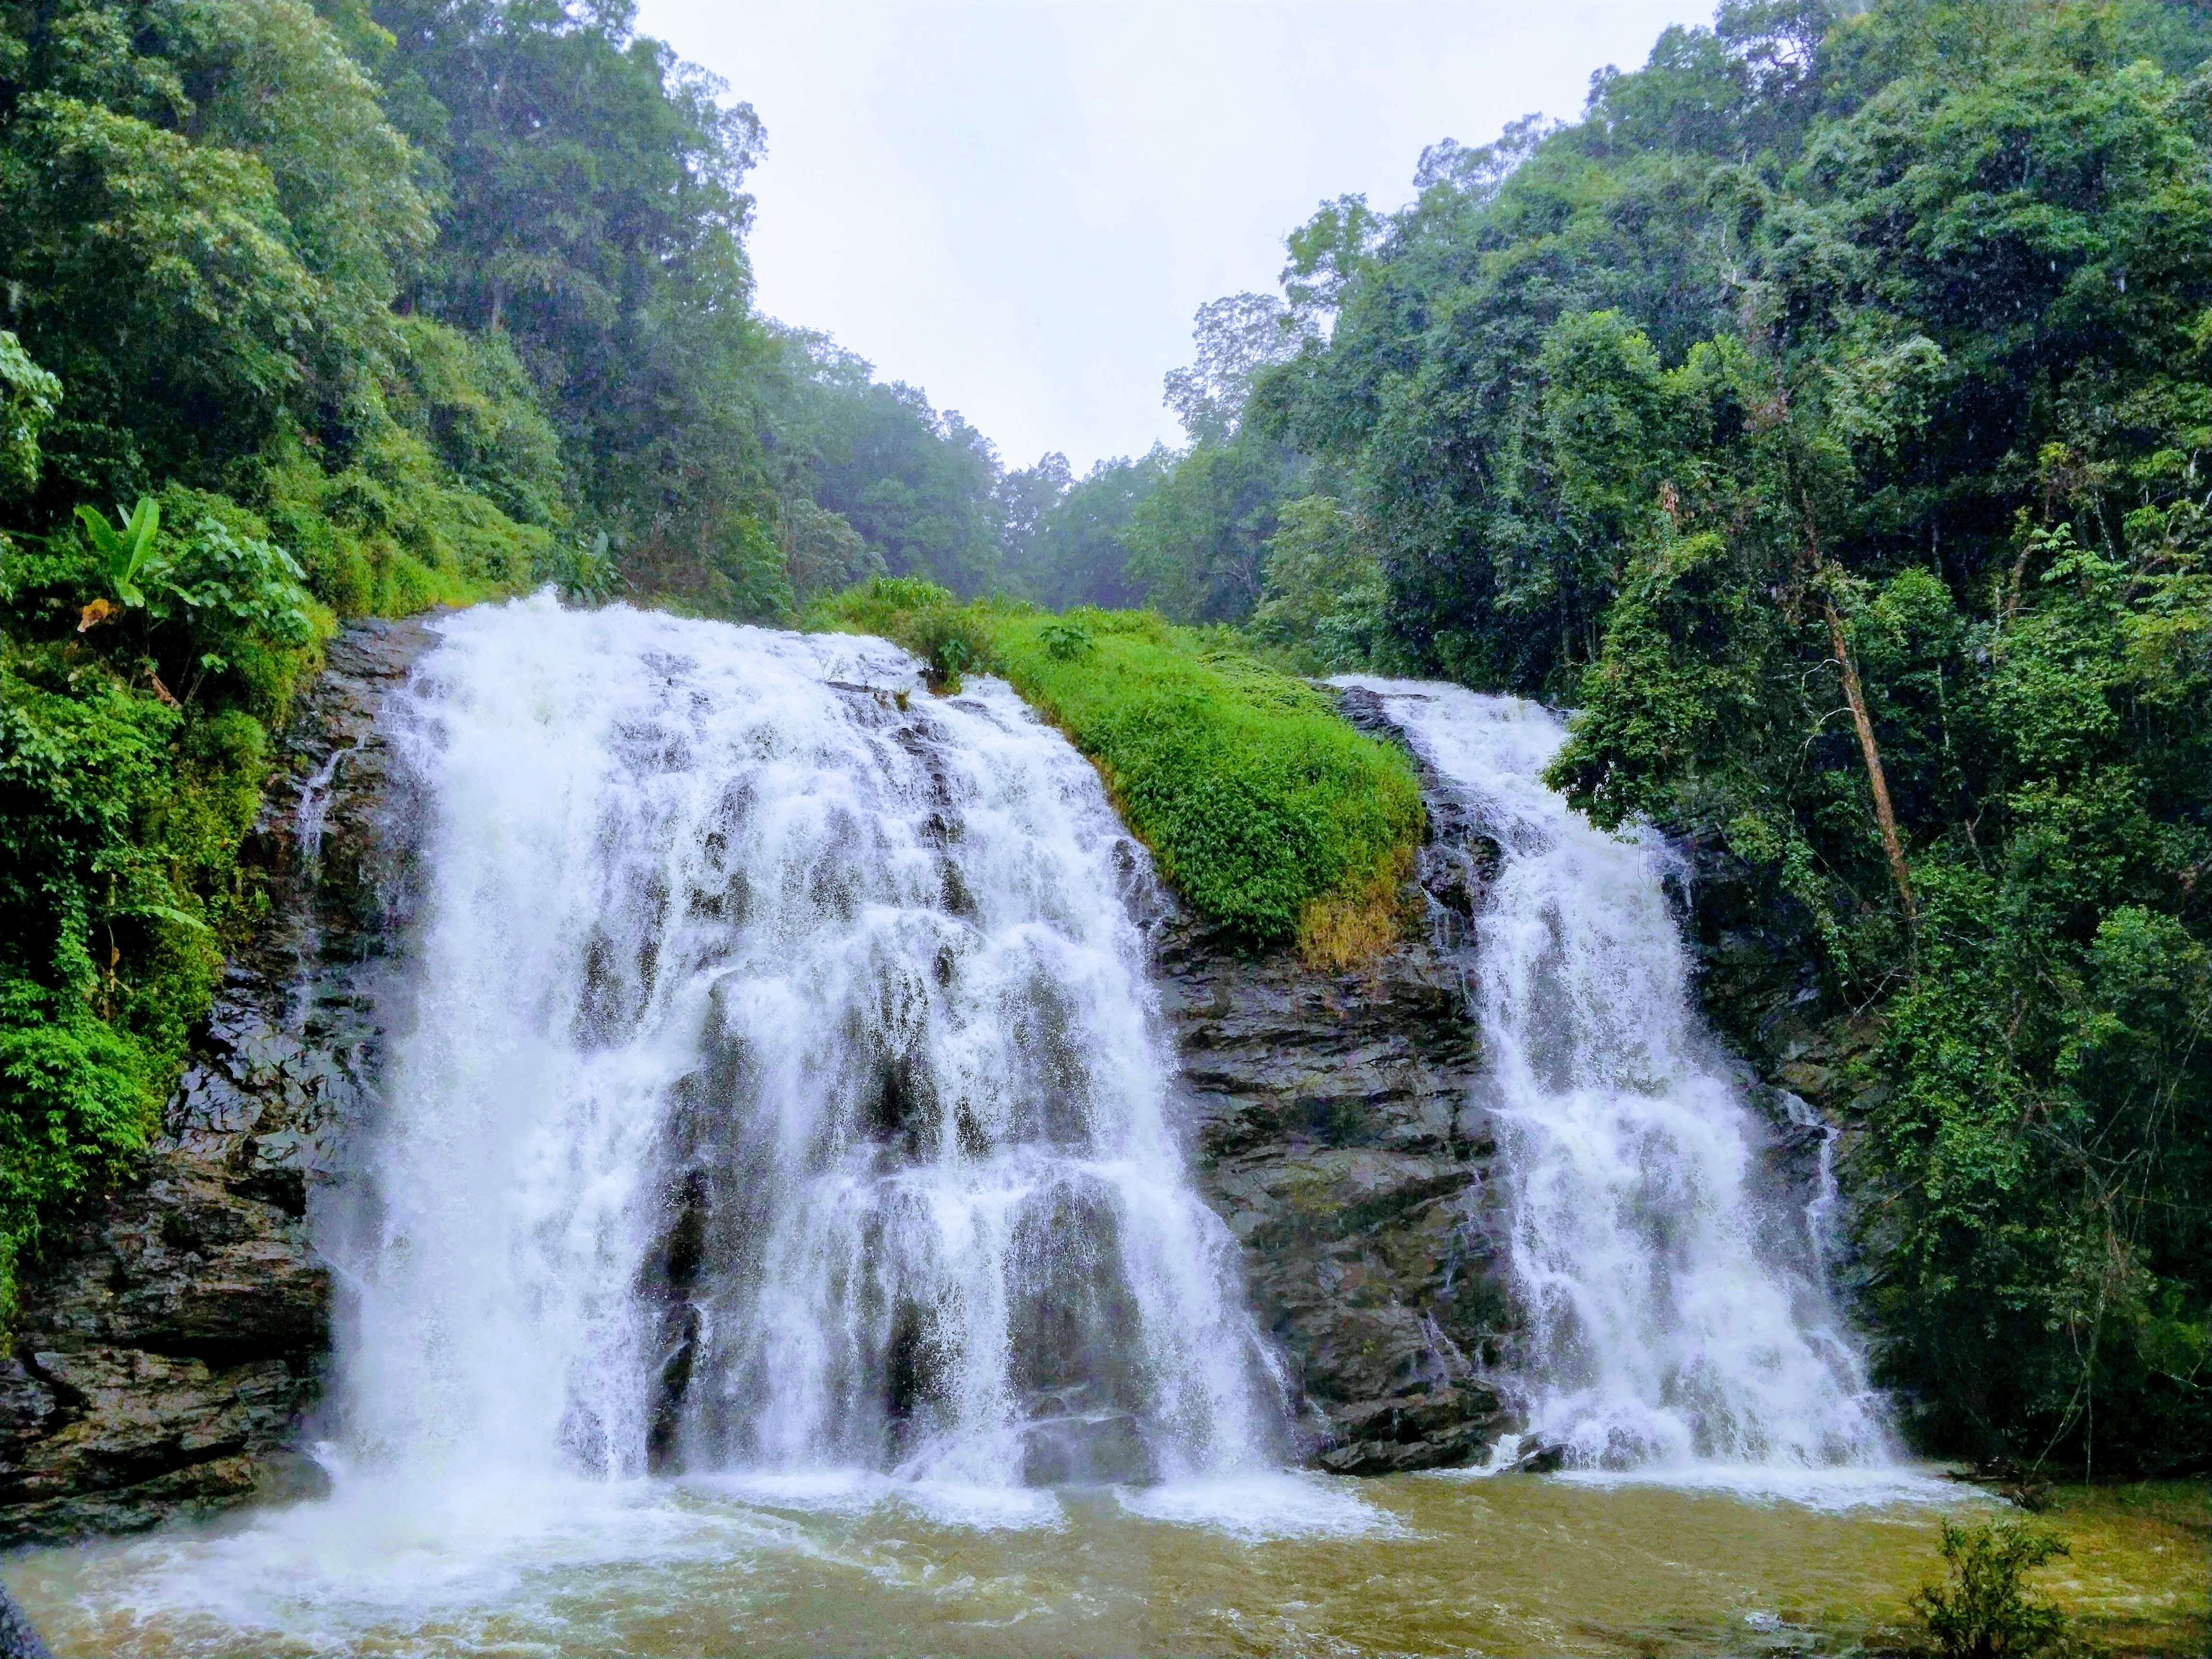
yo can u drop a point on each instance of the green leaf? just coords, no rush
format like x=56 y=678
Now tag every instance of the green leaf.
x=166 y=912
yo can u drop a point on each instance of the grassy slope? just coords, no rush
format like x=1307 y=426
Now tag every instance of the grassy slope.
x=1266 y=810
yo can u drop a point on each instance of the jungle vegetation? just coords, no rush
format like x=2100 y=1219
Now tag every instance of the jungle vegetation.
x=1826 y=416
x=308 y=311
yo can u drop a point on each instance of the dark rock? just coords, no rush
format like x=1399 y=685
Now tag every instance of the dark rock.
x=1440 y=1429
x=19 y=1637
x=1337 y=1133
x=172 y=1340
x=1540 y=1460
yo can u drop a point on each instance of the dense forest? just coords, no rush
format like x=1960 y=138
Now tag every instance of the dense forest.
x=308 y=311
x=1825 y=414
x=1820 y=415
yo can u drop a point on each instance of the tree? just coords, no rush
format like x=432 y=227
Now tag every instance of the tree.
x=1821 y=415
x=1236 y=337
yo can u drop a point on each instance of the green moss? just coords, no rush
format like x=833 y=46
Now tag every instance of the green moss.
x=1263 y=807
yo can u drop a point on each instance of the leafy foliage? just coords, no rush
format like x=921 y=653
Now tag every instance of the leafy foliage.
x=123 y=553
x=1985 y=1610
x=915 y=486
x=1259 y=802
x=1064 y=540
x=1823 y=414
x=27 y=397
x=1321 y=591
x=367 y=308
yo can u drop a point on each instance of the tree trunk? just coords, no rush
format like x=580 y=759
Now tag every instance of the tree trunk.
x=1893 y=846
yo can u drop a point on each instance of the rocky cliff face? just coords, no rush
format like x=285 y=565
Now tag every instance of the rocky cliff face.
x=1339 y=1133
x=1336 y=1136
x=172 y=1340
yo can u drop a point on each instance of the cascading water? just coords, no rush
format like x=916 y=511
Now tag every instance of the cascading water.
x=782 y=1091
x=1677 y=1315
x=773 y=1183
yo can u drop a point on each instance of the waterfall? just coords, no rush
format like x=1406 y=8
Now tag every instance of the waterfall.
x=779 y=1088
x=1678 y=1312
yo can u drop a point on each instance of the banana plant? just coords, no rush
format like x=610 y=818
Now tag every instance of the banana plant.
x=124 y=552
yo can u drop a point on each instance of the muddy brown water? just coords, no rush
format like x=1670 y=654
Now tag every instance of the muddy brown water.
x=1512 y=1565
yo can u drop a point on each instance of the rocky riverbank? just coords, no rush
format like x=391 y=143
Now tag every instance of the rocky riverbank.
x=171 y=1342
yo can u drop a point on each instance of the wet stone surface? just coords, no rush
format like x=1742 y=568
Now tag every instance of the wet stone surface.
x=1339 y=1132
x=172 y=1340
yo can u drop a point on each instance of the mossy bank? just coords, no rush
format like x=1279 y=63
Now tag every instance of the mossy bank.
x=1268 y=811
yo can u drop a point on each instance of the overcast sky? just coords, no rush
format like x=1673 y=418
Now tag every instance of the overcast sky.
x=1018 y=206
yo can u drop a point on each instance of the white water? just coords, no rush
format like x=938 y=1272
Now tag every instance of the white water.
x=772 y=1039
x=774 y=1167
x=1679 y=1320
x=782 y=1092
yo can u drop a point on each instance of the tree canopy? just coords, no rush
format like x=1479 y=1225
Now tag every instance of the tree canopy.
x=313 y=310
x=1821 y=415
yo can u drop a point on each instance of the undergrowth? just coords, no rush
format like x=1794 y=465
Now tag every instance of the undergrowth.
x=1262 y=805
x=143 y=671
x=1985 y=1608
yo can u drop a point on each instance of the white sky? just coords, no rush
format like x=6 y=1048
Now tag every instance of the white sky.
x=1018 y=206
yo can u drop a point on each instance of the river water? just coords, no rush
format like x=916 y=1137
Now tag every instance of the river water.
x=1513 y=1565
x=775 y=1236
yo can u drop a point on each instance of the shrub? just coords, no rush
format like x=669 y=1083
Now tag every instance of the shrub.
x=122 y=807
x=587 y=573
x=949 y=639
x=1263 y=807
x=1261 y=804
x=1985 y=1610
x=1066 y=641
x=28 y=398
x=951 y=643
x=77 y=1097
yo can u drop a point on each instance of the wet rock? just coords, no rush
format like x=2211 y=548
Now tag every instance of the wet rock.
x=1441 y=1429
x=1337 y=1133
x=19 y=1637
x=171 y=1340
x=1540 y=1460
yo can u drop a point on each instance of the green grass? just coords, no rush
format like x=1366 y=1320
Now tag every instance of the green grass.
x=1264 y=807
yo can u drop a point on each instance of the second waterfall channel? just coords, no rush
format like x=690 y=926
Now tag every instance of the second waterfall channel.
x=1679 y=1325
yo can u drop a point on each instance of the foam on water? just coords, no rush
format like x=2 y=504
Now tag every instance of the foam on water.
x=1836 y=1489
x=777 y=1127
x=1278 y=1503
x=1679 y=1318
x=382 y=1559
